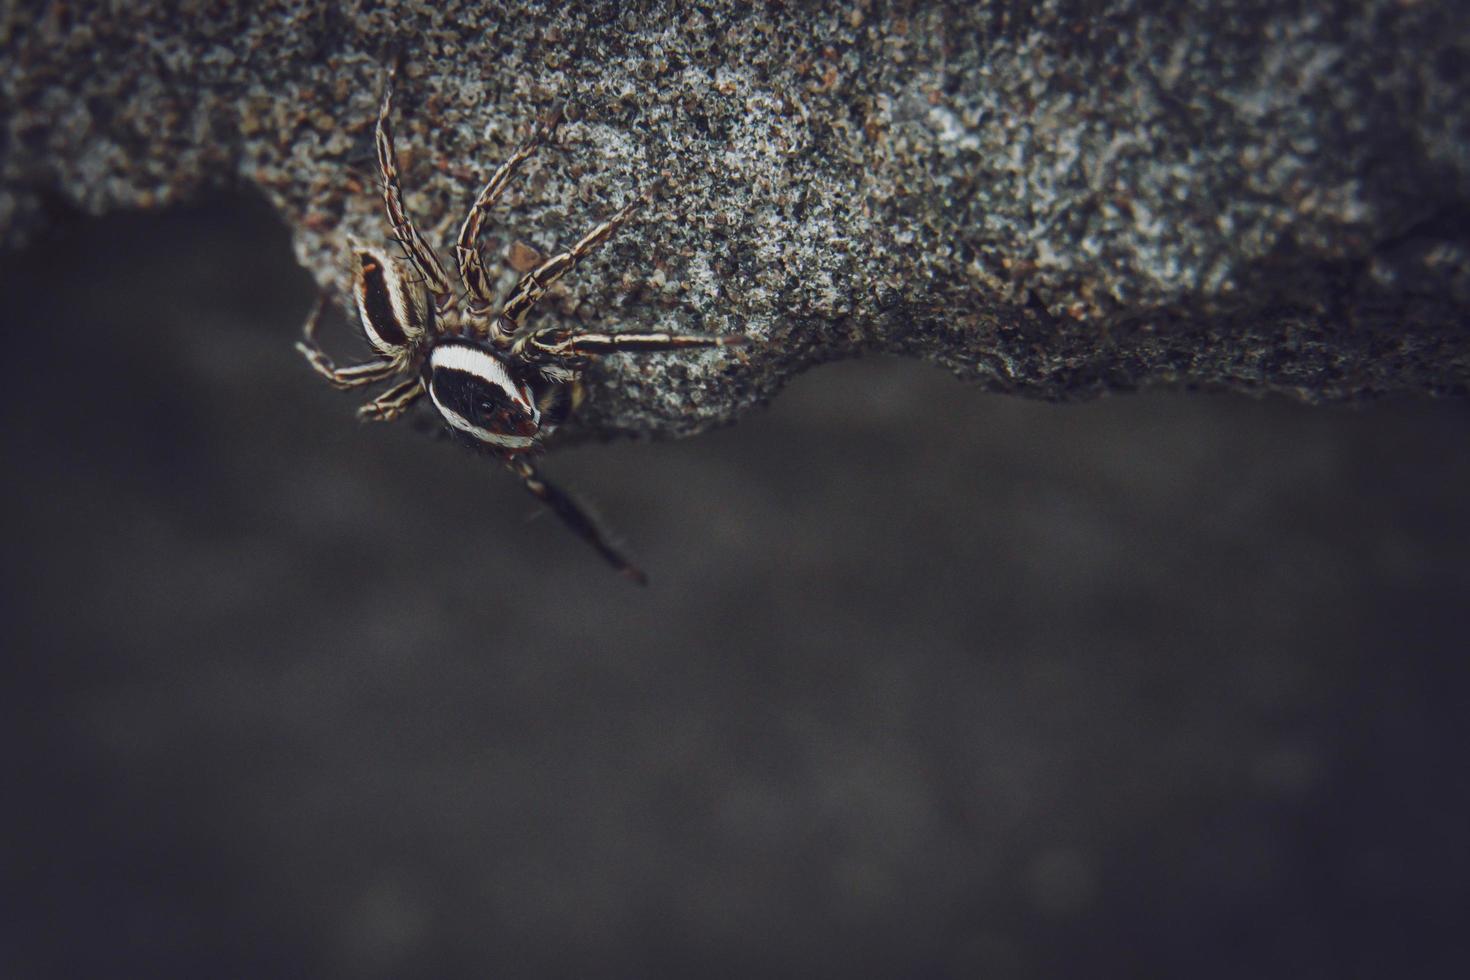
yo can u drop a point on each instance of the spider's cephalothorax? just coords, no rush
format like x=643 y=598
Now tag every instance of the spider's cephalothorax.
x=496 y=384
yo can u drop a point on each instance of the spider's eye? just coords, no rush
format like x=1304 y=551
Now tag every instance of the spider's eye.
x=395 y=311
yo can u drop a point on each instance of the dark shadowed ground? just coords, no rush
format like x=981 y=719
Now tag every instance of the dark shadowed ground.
x=927 y=682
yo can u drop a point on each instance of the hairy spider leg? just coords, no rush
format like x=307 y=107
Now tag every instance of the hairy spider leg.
x=577 y=519
x=533 y=285
x=418 y=250
x=559 y=342
x=467 y=248
x=353 y=376
x=393 y=402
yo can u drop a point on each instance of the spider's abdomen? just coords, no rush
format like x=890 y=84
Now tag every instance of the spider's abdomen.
x=478 y=396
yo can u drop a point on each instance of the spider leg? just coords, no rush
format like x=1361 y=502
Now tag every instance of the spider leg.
x=467 y=248
x=418 y=250
x=559 y=342
x=533 y=285
x=393 y=402
x=574 y=517
x=353 y=376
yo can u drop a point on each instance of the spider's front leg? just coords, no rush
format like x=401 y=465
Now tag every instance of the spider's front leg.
x=577 y=519
x=555 y=343
x=418 y=250
x=467 y=248
x=354 y=376
x=533 y=285
x=393 y=402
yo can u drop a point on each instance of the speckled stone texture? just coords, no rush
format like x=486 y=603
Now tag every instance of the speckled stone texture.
x=1054 y=198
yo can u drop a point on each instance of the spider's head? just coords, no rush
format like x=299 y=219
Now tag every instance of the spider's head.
x=395 y=309
x=478 y=395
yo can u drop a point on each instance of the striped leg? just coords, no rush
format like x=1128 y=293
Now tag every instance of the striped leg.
x=467 y=248
x=418 y=251
x=533 y=285
x=552 y=343
x=393 y=402
x=566 y=508
x=354 y=376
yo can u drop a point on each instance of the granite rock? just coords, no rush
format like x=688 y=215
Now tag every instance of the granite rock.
x=1056 y=199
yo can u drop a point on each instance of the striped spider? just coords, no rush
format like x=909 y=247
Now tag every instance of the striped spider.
x=497 y=385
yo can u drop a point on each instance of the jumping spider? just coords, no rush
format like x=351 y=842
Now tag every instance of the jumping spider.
x=496 y=384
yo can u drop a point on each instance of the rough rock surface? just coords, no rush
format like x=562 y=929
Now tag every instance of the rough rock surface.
x=1055 y=198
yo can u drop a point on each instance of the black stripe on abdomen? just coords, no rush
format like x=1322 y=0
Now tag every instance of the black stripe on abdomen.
x=377 y=306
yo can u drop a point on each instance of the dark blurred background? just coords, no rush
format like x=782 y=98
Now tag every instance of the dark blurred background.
x=928 y=682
